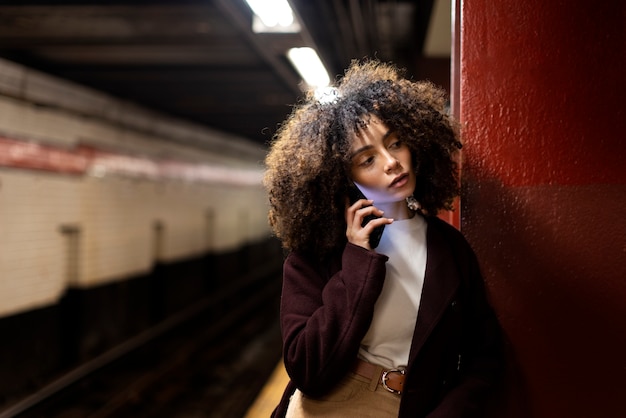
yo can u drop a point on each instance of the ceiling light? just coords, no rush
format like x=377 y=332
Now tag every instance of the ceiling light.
x=258 y=26
x=272 y=12
x=309 y=66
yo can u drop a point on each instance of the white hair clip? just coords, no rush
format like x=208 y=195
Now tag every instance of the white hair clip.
x=326 y=95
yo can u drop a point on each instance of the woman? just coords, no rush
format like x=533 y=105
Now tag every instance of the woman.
x=396 y=328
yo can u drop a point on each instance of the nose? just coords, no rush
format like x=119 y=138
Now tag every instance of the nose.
x=391 y=163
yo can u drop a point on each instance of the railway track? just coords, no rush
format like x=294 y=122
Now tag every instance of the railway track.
x=210 y=364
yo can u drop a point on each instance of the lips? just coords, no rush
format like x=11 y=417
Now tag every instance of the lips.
x=399 y=181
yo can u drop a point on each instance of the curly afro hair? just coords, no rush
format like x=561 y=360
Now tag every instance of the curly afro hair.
x=307 y=166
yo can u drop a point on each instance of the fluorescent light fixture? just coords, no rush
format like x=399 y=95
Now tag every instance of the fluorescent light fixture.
x=258 y=26
x=309 y=66
x=272 y=12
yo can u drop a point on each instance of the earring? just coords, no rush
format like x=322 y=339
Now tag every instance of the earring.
x=413 y=204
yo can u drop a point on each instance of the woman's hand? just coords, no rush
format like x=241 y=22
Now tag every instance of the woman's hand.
x=355 y=232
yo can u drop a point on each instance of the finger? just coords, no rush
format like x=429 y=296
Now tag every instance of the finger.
x=361 y=203
x=375 y=223
x=352 y=209
x=361 y=213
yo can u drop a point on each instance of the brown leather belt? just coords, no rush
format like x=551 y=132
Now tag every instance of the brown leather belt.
x=392 y=380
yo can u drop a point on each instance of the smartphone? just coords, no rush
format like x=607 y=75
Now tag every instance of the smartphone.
x=356 y=194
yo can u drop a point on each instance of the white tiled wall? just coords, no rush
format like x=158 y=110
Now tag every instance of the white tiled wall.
x=116 y=218
x=115 y=215
x=32 y=251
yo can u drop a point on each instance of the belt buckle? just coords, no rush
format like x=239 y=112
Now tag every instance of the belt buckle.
x=385 y=377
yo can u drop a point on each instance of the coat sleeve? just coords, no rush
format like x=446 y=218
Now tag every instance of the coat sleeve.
x=480 y=361
x=324 y=316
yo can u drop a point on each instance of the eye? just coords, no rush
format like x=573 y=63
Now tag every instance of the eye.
x=365 y=161
x=396 y=144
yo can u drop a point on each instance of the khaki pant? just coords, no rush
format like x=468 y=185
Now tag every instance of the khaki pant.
x=355 y=396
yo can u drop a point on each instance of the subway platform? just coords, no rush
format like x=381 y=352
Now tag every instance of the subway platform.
x=270 y=395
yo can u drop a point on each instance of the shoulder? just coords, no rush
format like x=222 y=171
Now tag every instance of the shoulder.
x=306 y=263
x=444 y=237
x=438 y=226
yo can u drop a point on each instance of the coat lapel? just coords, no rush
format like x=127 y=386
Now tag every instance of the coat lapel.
x=441 y=281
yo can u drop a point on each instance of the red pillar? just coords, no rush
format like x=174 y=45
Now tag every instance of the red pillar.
x=542 y=100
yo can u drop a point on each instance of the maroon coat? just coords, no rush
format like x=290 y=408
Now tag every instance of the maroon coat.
x=455 y=353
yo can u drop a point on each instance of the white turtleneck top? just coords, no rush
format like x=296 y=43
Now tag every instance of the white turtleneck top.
x=389 y=337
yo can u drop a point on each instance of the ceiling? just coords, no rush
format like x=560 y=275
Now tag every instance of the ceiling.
x=201 y=61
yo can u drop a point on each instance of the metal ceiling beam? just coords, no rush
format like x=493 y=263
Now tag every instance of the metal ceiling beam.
x=286 y=75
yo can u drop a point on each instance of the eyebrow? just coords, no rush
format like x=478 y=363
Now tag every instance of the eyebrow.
x=387 y=134
x=366 y=147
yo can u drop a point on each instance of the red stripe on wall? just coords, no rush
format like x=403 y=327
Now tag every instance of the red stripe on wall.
x=35 y=156
x=85 y=160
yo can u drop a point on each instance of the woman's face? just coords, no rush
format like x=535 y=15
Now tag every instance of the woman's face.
x=381 y=164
